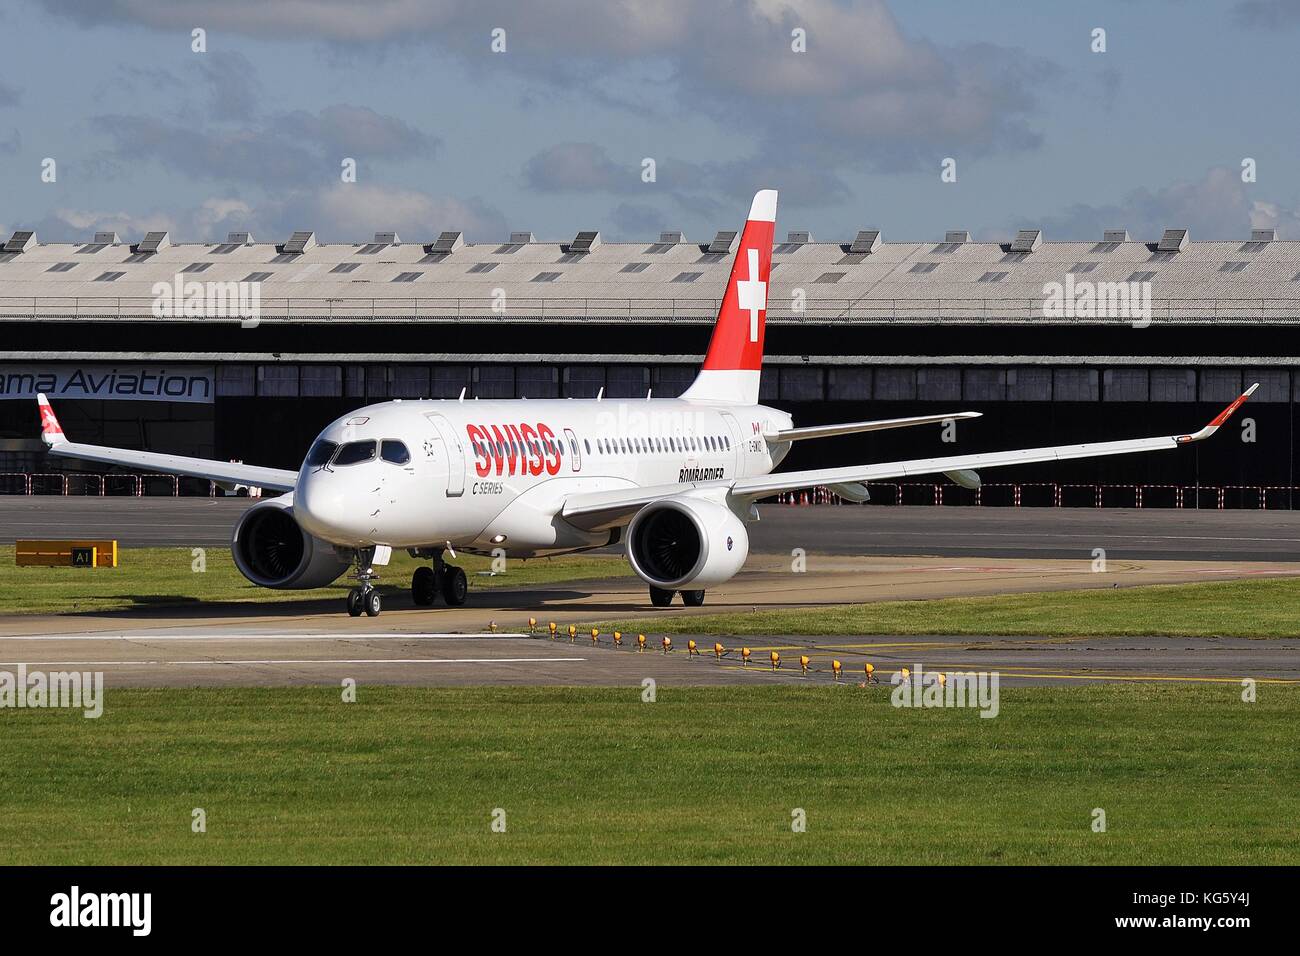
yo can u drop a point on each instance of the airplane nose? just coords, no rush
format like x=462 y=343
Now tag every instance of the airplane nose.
x=325 y=508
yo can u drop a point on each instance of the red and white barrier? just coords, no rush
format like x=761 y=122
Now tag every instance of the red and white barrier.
x=113 y=484
x=1028 y=494
x=1062 y=495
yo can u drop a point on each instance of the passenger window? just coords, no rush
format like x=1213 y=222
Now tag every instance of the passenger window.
x=395 y=452
x=354 y=453
x=320 y=453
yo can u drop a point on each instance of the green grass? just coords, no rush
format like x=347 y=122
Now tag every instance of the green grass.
x=149 y=577
x=1253 y=608
x=1185 y=774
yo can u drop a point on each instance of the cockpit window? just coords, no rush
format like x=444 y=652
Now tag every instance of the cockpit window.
x=355 y=452
x=395 y=452
x=320 y=453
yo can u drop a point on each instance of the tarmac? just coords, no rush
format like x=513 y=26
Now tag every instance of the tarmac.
x=487 y=642
x=954 y=531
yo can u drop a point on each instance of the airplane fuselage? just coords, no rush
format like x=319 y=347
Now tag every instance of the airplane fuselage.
x=480 y=475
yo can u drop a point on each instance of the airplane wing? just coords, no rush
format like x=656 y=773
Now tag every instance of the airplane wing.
x=761 y=485
x=852 y=428
x=224 y=472
x=607 y=509
x=602 y=510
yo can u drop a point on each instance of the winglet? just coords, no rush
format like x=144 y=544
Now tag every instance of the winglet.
x=1219 y=419
x=51 y=430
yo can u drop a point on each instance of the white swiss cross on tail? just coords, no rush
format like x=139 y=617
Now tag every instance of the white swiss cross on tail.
x=751 y=295
x=732 y=365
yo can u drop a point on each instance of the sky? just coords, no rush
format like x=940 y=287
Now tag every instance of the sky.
x=487 y=117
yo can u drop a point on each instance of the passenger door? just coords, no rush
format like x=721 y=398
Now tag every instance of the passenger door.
x=575 y=453
x=737 y=444
x=455 y=450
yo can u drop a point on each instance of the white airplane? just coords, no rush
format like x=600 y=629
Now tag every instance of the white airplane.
x=675 y=479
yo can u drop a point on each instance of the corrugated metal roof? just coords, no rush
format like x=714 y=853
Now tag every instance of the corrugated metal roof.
x=454 y=280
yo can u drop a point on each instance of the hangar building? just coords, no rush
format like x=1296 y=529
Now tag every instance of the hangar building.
x=858 y=327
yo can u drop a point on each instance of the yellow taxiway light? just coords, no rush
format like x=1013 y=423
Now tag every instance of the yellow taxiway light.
x=692 y=649
x=803 y=664
x=776 y=660
x=870 y=668
x=907 y=675
x=668 y=644
x=492 y=626
x=573 y=632
x=553 y=626
x=532 y=624
x=744 y=656
x=595 y=636
x=942 y=680
x=836 y=667
x=640 y=643
x=618 y=638
x=718 y=651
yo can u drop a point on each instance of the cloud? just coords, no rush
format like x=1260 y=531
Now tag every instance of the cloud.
x=864 y=93
x=260 y=155
x=9 y=96
x=77 y=225
x=580 y=167
x=360 y=129
x=284 y=150
x=353 y=211
x=233 y=87
x=12 y=143
x=588 y=168
x=1216 y=206
x=341 y=213
x=637 y=221
x=1267 y=14
x=210 y=220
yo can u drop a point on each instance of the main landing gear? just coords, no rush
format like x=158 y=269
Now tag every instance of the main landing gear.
x=442 y=578
x=426 y=583
x=661 y=597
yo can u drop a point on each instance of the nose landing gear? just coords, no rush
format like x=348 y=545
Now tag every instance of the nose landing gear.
x=364 y=599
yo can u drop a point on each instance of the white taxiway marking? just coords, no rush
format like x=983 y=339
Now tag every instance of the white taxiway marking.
x=323 y=660
x=360 y=636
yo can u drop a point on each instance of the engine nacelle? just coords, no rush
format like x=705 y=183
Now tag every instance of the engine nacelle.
x=272 y=551
x=685 y=542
